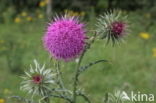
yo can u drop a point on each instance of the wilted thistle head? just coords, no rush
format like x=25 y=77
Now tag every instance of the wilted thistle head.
x=38 y=80
x=112 y=26
x=65 y=38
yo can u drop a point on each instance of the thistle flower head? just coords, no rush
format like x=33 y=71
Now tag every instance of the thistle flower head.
x=112 y=26
x=65 y=38
x=38 y=80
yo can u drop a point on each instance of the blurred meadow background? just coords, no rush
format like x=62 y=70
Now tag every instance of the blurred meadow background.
x=132 y=64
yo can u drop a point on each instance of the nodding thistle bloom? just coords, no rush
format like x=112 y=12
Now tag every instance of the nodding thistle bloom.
x=38 y=80
x=112 y=26
x=65 y=38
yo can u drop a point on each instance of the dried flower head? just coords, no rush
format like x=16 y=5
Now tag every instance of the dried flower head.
x=112 y=26
x=38 y=80
x=65 y=38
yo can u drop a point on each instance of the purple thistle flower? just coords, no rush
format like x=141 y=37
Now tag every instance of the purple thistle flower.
x=65 y=38
x=117 y=29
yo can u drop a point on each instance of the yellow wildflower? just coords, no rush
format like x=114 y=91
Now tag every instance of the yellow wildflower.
x=75 y=14
x=17 y=20
x=2 y=100
x=23 y=14
x=42 y=3
x=154 y=52
x=29 y=18
x=154 y=49
x=144 y=35
x=40 y=16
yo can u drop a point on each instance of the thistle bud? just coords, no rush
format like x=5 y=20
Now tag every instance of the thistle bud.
x=112 y=26
x=38 y=80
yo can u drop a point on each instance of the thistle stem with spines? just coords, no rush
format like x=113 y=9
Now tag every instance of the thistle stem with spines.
x=76 y=77
x=78 y=67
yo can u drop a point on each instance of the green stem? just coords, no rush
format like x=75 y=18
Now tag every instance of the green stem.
x=78 y=67
x=76 y=77
x=84 y=96
x=59 y=75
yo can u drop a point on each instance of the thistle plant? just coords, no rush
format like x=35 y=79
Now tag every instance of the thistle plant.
x=66 y=40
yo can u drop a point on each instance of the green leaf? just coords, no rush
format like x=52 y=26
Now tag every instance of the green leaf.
x=83 y=68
